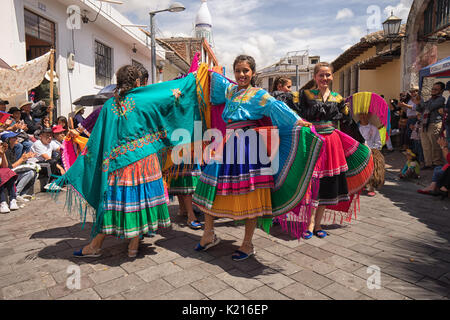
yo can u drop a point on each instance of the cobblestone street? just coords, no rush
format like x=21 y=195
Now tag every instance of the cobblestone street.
x=403 y=233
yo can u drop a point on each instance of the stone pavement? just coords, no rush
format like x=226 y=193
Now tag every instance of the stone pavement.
x=404 y=234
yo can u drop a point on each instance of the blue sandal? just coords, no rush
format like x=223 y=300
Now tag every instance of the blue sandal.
x=79 y=254
x=307 y=235
x=320 y=234
x=195 y=225
x=238 y=255
x=215 y=242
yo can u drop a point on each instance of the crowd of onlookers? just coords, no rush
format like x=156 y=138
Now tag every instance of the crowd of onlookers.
x=30 y=149
x=423 y=131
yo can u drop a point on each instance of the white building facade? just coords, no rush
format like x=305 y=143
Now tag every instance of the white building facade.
x=297 y=66
x=29 y=28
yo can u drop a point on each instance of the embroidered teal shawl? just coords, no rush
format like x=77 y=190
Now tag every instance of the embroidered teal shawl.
x=142 y=125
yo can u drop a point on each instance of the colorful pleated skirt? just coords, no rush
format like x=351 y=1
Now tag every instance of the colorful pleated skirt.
x=238 y=186
x=185 y=179
x=135 y=202
x=344 y=168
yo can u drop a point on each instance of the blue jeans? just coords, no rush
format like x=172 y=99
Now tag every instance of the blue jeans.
x=438 y=173
x=25 y=182
x=21 y=148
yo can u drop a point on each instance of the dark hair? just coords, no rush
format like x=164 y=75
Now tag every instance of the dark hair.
x=126 y=80
x=280 y=80
x=441 y=84
x=63 y=119
x=144 y=75
x=42 y=121
x=251 y=62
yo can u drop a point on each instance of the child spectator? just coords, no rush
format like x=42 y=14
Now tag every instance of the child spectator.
x=411 y=170
x=372 y=136
x=58 y=138
x=62 y=121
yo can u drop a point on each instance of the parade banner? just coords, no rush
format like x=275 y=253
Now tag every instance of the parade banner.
x=24 y=77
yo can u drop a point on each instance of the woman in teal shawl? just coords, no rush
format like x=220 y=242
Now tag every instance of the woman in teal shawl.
x=118 y=174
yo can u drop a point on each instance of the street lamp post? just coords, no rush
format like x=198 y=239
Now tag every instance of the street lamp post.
x=391 y=28
x=174 y=7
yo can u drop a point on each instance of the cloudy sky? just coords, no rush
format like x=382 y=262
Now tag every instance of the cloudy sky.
x=268 y=29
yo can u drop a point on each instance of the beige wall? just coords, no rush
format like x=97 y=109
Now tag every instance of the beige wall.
x=170 y=72
x=337 y=75
x=443 y=50
x=385 y=80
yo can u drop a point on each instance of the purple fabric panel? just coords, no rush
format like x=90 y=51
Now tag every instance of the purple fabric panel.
x=90 y=121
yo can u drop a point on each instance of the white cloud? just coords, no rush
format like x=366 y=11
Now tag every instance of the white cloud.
x=345 y=13
x=401 y=10
x=356 y=32
x=142 y=8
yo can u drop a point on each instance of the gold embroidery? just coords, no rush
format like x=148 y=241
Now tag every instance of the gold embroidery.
x=264 y=99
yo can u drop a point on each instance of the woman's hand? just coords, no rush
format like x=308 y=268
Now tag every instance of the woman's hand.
x=303 y=123
x=74 y=133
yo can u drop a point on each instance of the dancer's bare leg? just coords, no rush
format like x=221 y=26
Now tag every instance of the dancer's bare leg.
x=95 y=244
x=250 y=226
x=181 y=207
x=208 y=232
x=316 y=219
x=134 y=244
x=187 y=201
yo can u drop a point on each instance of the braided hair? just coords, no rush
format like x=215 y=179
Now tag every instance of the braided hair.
x=126 y=80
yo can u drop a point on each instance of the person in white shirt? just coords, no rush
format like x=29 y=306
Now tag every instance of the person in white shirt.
x=373 y=140
x=43 y=150
x=44 y=147
x=370 y=133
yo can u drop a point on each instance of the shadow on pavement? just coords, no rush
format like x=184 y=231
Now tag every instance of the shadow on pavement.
x=422 y=257
x=166 y=242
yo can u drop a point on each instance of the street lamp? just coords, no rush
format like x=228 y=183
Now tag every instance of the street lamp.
x=391 y=27
x=174 y=7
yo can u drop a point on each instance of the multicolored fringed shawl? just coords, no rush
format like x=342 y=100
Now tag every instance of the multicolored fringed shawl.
x=125 y=133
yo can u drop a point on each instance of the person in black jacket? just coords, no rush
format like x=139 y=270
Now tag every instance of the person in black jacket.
x=328 y=111
x=25 y=109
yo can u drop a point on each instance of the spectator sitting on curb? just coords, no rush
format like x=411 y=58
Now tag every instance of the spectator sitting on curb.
x=18 y=126
x=26 y=174
x=25 y=108
x=58 y=138
x=7 y=179
x=438 y=174
x=43 y=149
